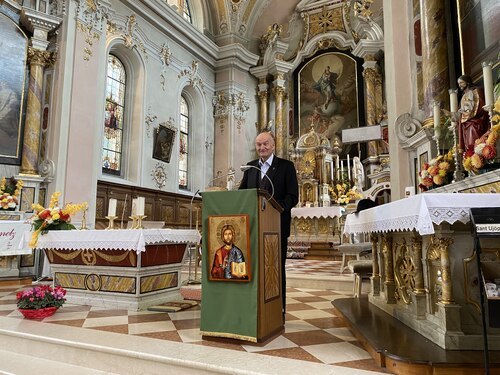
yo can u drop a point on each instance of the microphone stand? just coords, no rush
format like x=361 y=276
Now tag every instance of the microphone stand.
x=246 y=167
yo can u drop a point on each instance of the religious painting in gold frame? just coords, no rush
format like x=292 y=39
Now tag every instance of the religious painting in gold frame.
x=13 y=52
x=163 y=143
x=229 y=248
x=328 y=95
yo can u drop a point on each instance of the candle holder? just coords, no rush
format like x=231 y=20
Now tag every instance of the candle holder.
x=111 y=224
x=458 y=174
x=134 y=222
x=139 y=221
x=83 y=226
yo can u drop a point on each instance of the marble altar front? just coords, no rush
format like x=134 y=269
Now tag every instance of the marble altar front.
x=424 y=265
x=129 y=269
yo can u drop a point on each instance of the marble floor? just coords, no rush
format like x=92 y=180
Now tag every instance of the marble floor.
x=314 y=331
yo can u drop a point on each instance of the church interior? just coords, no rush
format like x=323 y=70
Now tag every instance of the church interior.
x=132 y=122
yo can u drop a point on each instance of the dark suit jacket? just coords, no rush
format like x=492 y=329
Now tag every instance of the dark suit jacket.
x=286 y=189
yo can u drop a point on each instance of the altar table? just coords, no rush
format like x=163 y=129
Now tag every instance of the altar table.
x=424 y=265
x=315 y=224
x=126 y=268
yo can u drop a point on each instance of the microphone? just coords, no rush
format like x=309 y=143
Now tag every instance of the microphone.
x=191 y=209
x=246 y=167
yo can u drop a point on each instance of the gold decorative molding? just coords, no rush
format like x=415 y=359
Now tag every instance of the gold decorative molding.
x=191 y=73
x=90 y=37
x=39 y=57
x=129 y=36
x=404 y=272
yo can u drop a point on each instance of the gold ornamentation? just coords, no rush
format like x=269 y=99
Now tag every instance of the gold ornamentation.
x=362 y=8
x=308 y=165
x=270 y=37
x=39 y=57
x=90 y=37
x=191 y=74
x=404 y=272
x=325 y=21
x=271 y=266
x=131 y=40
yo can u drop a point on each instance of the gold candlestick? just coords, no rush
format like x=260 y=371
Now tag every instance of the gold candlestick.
x=111 y=224
x=139 y=221
x=134 y=222
x=84 y=222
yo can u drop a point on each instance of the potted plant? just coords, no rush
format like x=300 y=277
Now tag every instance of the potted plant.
x=40 y=301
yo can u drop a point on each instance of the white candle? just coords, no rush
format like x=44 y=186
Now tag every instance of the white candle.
x=337 y=172
x=453 y=100
x=140 y=206
x=341 y=170
x=112 y=207
x=348 y=168
x=488 y=83
x=134 y=207
x=437 y=114
x=331 y=171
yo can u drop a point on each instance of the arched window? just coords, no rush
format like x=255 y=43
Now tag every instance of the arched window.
x=114 y=108
x=183 y=144
x=183 y=8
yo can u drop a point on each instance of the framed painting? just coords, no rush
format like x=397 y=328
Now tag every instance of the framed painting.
x=328 y=96
x=163 y=143
x=13 y=49
x=229 y=248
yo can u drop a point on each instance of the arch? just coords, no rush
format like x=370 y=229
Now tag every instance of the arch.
x=134 y=65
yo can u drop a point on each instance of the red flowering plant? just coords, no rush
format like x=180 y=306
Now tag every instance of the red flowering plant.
x=41 y=296
x=437 y=172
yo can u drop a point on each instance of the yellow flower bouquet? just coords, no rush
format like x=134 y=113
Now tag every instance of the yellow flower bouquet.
x=342 y=194
x=53 y=217
x=437 y=172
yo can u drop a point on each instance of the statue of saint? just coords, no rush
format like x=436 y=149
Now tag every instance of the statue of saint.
x=473 y=119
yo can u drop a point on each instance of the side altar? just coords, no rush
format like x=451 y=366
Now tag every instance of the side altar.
x=129 y=269
x=424 y=266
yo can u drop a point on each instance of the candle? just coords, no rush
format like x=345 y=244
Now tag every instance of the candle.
x=437 y=114
x=134 y=207
x=140 y=206
x=337 y=172
x=488 y=83
x=341 y=170
x=453 y=100
x=348 y=168
x=112 y=207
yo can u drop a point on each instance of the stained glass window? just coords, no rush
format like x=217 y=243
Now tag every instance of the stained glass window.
x=114 y=108
x=183 y=8
x=183 y=144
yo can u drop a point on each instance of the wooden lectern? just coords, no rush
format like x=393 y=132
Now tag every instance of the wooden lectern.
x=250 y=307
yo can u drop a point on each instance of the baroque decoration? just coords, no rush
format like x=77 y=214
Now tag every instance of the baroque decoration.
x=149 y=119
x=191 y=73
x=90 y=37
x=159 y=175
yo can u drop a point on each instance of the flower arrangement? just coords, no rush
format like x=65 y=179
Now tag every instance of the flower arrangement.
x=9 y=193
x=53 y=217
x=484 y=150
x=343 y=194
x=436 y=172
x=40 y=297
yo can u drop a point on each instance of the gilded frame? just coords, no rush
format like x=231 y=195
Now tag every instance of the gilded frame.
x=219 y=255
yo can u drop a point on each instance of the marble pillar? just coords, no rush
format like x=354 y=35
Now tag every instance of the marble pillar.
x=389 y=282
x=263 y=103
x=38 y=59
x=435 y=68
x=279 y=127
x=370 y=75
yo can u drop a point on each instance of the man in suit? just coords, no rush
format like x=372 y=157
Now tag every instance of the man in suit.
x=286 y=189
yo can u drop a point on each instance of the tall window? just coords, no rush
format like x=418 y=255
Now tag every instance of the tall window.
x=182 y=8
x=114 y=108
x=183 y=144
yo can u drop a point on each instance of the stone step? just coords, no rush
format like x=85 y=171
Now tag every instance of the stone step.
x=13 y=281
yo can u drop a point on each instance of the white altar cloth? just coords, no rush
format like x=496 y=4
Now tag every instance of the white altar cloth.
x=120 y=239
x=312 y=212
x=419 y=212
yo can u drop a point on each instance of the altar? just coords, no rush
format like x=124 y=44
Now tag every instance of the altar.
x=128 y=269
x=316 y=224
x=424 y=266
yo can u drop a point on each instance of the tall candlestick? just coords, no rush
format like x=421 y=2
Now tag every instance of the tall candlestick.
x=488 y=83
x=348 y=168
x=453 y=100
x=112 y=207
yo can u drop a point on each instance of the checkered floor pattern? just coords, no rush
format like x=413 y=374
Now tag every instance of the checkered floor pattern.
x=314 y=331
